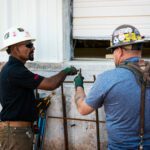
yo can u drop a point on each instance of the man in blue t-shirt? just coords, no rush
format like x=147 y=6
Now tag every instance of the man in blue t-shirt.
x=17 y=85
x=120 y=94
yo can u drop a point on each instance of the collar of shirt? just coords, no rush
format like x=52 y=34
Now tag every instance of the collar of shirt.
x=132 y=59
x=14 y=60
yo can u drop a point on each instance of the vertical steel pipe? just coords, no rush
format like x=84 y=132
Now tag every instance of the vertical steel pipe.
x=97 y=124
x=64 y=118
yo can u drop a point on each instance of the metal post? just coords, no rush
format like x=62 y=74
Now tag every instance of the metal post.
x=64 y=118
x=97 y=125
x=77 y=119
x=97 y=117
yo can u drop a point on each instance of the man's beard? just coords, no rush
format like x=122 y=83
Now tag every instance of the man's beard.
x=31 y=57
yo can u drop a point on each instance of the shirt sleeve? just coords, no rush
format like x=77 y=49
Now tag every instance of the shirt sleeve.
x=22 y=77
x=98 y=92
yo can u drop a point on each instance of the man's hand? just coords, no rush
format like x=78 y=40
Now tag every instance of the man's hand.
x=79 y=80
x=70 y=70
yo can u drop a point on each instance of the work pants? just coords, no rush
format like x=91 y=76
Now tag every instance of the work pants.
x=16 y=138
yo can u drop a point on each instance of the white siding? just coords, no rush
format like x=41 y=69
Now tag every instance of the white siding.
x=43 y=19
x=96 y=19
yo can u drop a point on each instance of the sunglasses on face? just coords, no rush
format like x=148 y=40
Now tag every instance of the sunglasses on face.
x=29 y=45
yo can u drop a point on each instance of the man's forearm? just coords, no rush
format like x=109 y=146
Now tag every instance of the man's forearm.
x=58 y=79
x=82 y=107
x=79 y=96
x=51 y=83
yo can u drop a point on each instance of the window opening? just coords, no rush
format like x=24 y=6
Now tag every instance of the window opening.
x=90 y=48
x=146 y=50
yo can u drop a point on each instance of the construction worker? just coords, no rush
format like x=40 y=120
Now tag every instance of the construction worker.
x=17 y=86
x=120 y=94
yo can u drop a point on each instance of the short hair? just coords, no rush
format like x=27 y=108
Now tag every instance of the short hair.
x=8 y=50
x=137 y=46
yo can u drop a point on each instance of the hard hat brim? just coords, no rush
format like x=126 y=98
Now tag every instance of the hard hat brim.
x=6 y=47
x=134 y=42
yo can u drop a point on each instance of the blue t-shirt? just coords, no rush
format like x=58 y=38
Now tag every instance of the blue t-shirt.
x=119 y=92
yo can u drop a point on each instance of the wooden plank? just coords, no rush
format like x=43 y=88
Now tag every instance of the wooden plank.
x=109 y=56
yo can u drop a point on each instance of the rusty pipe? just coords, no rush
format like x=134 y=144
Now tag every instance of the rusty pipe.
x=83 y=81
x=77 y=119
x=64 y=118
x=97 y=124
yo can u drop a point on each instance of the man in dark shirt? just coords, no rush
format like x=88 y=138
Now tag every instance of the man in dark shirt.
x=17 y=86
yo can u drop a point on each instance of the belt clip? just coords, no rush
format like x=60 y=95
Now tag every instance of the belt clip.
x=141 y=147
x=141 y=143
x=36 y=129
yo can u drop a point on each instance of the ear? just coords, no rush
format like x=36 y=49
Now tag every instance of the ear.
x=120 y=51
x=16 y=50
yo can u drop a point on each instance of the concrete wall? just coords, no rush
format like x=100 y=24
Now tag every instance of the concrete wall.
x=81 y=134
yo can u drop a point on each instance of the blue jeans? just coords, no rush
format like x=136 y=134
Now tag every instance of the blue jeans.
x=111 y=147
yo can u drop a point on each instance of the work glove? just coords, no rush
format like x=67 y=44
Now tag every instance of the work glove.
x=78 y=80
x=70 y=70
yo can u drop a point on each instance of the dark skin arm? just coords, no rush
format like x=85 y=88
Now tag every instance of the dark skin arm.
x=53 y=82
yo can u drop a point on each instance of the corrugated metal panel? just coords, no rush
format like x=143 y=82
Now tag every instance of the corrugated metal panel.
x=43 y=18
x=96 y=19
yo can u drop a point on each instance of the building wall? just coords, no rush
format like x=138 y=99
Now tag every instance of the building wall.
x=50 y=22
x=81 y=134
x=97 y=19
x=43 y=19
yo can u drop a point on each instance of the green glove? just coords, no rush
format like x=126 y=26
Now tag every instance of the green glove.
x=70 y=70
x=78 y=80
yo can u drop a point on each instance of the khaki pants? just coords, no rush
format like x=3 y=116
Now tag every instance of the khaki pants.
x=16 y=138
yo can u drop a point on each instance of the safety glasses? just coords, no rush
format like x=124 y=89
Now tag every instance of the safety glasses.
x=29 y=45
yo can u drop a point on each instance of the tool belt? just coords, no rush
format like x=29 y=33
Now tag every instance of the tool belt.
x=15 y=124
x=42 y=103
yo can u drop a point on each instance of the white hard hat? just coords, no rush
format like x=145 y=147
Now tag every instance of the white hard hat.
x=13 y=36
